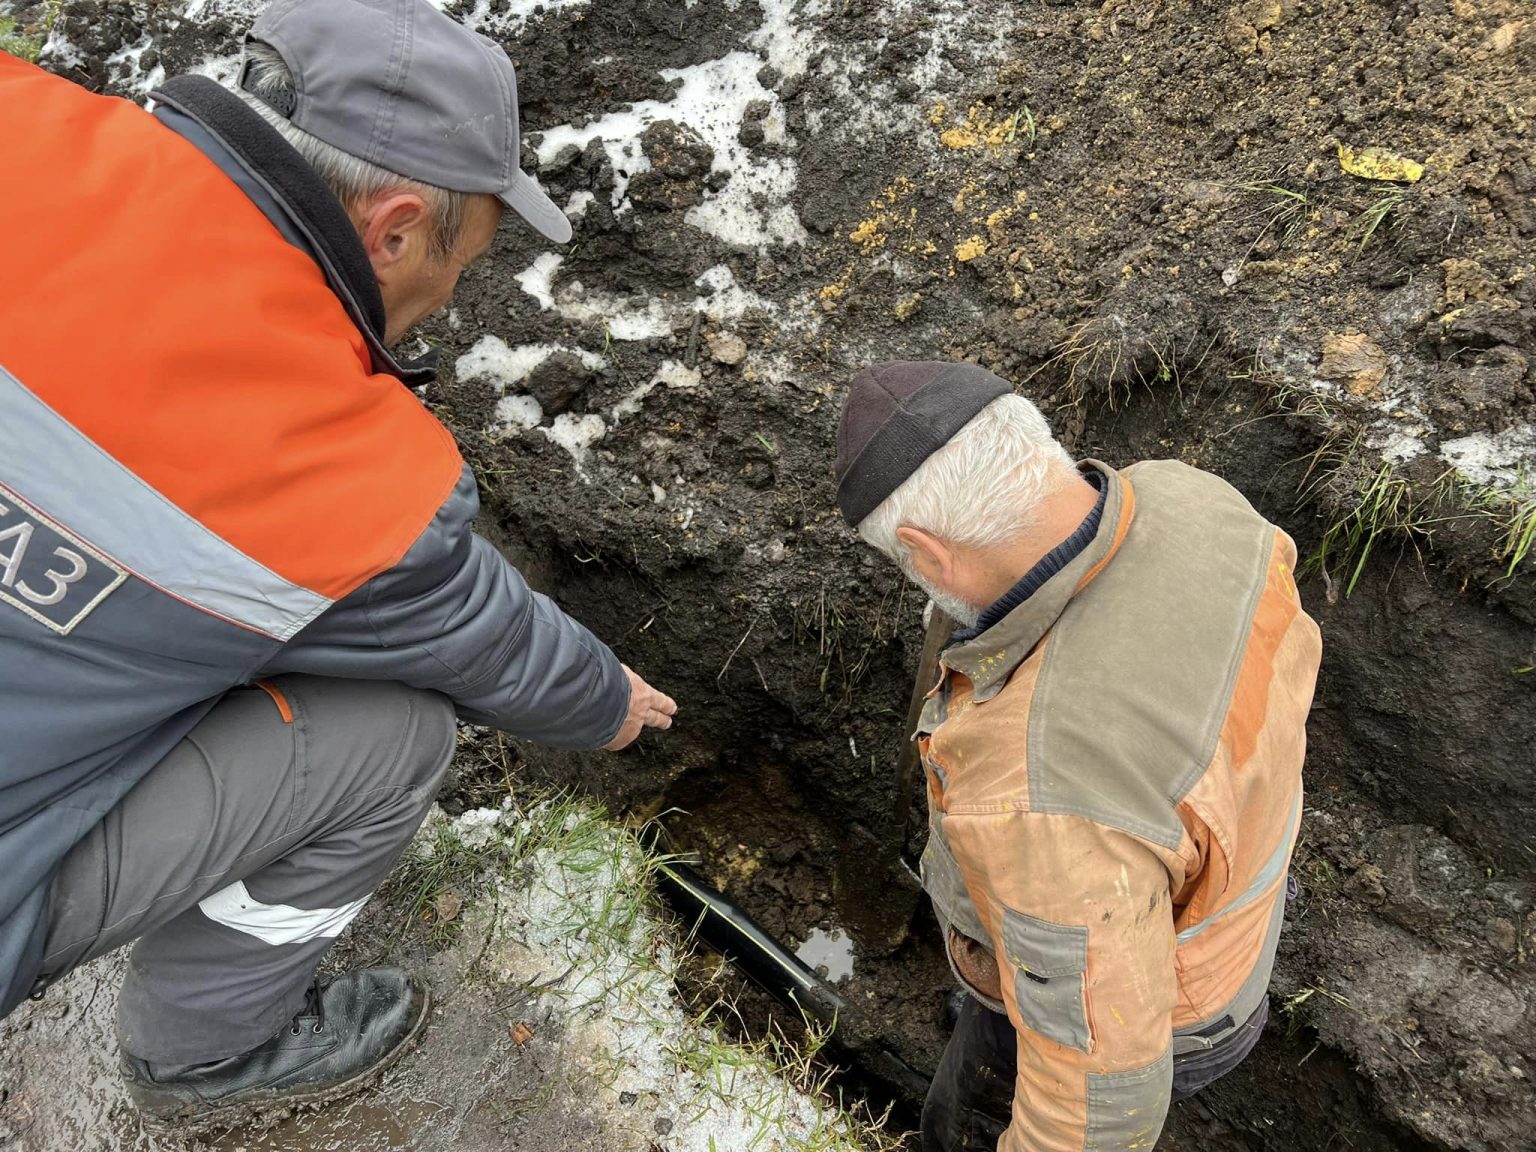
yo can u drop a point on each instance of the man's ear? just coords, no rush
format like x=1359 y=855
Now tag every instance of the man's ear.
x=933 y=558
x=395 y=230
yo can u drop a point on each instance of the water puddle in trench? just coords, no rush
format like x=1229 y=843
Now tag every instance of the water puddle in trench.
x=828 y=953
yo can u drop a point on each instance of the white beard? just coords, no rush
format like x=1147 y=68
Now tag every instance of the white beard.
x=952 y=606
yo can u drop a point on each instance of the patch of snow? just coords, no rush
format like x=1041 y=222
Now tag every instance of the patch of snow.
x=538 y=278
x=711 y=98
x=58 y=51
x=728 y=301
x=621 y=319
x=240 y=12
x=578 y=204
x=478 y=828
x=781 y=40
x=521 y=412
x=510 y=19
x=1398 y=445
x=124 y=67
x=671 y=374
x=1501 y=459
x=492 y=360
x=576 y=434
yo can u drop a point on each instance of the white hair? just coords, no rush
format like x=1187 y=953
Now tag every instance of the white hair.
x=268 y=88
x=982 y=488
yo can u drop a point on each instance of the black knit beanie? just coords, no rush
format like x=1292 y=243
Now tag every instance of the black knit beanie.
x=898 y=414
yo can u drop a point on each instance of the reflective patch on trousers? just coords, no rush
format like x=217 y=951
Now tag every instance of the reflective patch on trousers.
x=235 y=907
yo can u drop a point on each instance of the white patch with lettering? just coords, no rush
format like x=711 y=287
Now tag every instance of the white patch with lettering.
x=47 y=571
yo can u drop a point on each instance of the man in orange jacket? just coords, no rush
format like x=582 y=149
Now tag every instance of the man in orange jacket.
x=241 y=601
x=1113 y=754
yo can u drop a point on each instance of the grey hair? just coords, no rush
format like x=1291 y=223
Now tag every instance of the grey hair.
x=982 y=488
x=268 y=88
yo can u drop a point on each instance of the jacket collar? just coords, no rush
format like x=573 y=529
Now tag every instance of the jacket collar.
x=297 y=202
x=989 y=659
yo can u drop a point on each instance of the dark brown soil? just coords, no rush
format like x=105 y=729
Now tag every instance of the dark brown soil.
x=1136 y=211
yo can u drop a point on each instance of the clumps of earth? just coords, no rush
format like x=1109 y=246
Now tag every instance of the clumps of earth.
x=1286 y=241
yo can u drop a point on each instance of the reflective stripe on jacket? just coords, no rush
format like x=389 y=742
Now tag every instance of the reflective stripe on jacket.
x=1114 y=776
x=210 y=471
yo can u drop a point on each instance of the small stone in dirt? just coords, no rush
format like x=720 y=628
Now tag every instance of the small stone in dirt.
x=1503 y=936
x=726 y=347
x=676 y=150
x=662 y=1126
x=1354 y=360
x=557 y=381
x=521 y=1033
x=1503 y=37
x=561 y=161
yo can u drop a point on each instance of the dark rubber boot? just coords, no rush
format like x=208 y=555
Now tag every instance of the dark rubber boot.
x=348 y=1032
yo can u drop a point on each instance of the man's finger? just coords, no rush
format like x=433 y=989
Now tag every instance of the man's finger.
x=664 y=703
x=658 y=720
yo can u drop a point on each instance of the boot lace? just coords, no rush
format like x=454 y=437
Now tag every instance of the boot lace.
x=314 y=1005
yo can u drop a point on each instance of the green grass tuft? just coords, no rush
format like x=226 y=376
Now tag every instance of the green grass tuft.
x=25 y=45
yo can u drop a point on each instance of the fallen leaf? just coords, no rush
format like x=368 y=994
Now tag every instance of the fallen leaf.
x=447 y=905
x=521 y=1033
x=1373 y=163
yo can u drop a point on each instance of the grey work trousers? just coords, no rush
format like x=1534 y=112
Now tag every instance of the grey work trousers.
x=240 y=857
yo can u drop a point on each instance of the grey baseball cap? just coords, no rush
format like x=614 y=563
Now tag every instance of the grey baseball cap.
x=400 y=85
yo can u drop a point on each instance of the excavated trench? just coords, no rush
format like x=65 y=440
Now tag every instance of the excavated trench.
x=1417 y=759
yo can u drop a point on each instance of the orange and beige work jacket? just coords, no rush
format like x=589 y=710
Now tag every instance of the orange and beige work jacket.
x=1114 y=775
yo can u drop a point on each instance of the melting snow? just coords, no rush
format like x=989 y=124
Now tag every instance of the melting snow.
x=491 y=359
x=622 y=319
x=711 y=99
x=728 y=301
x=539 y=276
x=671 y=374
x=1500 y=459
x=575 y=433
x=571 y=910
x=522 y=412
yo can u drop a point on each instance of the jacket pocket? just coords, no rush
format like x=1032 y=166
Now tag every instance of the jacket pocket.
x=945 y=885
x=1050 y=963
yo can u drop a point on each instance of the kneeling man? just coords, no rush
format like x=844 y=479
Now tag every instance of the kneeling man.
x=1113 y=753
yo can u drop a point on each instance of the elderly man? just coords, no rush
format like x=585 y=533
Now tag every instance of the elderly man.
x=1113 y=753
x=240 y=599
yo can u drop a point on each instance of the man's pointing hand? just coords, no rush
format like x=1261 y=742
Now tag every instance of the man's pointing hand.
x=648 y=708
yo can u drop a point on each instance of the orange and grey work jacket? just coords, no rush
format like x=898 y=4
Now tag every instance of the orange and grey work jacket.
x=1114 y=775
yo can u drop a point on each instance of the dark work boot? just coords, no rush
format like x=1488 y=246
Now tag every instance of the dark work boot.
x=347 y=1032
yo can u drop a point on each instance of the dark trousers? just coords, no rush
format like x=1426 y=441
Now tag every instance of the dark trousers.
x=238 y=859
x=970 y=1102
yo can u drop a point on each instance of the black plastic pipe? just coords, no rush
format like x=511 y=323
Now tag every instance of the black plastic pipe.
x=735 y=935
